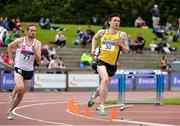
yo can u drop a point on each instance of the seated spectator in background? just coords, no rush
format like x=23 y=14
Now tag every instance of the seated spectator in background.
x=9 y=39
x=41 y=22
x=5 y=23
x=60 y=40
x=61 y=63
x=55 y=64
x=78 y=39
x=160 y=46
x=152 y=46
x=158 y=31
x=85 y=39
x=86 y=59
x=12 y=24
x=169 y=37
x=164 y=47
x=168 y=28
x=176 y=37
x=138 y=44
x=90 y=32
x=51 y=50
x=5 y=62
x=16 y=34
x=44 y=55
x=18 y=24
x=164 y=63
x=47 y=25
x=140 y=23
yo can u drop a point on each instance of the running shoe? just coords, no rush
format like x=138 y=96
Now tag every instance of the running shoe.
x=101 y=111
x=91 y=101
x=9 y=115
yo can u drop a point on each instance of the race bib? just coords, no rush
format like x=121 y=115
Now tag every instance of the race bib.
x=108 y=47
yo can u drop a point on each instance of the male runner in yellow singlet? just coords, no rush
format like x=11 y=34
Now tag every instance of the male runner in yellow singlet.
x=112 y=42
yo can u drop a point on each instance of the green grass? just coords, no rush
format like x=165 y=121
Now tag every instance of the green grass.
x=169 y=101
x=46 y=36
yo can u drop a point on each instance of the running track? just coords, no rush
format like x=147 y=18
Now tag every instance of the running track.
x=49 y=108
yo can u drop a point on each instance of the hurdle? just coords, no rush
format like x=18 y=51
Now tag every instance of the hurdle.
x=157 y=74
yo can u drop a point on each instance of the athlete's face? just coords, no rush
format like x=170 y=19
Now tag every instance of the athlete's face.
x=31 y=31
x=115 y=22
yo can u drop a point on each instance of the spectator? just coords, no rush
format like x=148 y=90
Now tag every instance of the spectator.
x=41 y=22
x=5 y=62
x=9 y=39
x=18 y=24
x=158 y=31
x=55 y=64
x=78 y=39
x=139 y=43
x=5 y=23
x=44 y=55
x=51 y=50
x=47 y=25
x=164 y=63
x=61 y=63
x=12 y=24
x=60 y=40
x=85 y=39
x=140 y=23
x=86 y=59
x=176 y=37
x=155 y=15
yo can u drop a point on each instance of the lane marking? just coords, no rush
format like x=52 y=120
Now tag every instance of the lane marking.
x=39 y=120
x=36 y=100
x=122 y=121
x=82 y=103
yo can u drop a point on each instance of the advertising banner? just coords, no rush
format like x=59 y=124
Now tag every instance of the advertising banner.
x=83 y=80
x=7 y=81
x=175 y=81
x=50 y=81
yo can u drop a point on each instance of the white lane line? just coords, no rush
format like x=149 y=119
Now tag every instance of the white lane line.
x=35 y=119
x=141 y=123
x=122 y=121
x=57 y=123
x=36 y=100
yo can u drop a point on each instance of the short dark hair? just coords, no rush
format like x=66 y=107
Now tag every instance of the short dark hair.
x=113 y=15
x=30 y=25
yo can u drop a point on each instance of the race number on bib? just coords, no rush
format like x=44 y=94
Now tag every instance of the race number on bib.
x=108 y=47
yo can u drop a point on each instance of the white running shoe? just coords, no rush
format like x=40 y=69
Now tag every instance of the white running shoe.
x=9 y=115
x=101 y=111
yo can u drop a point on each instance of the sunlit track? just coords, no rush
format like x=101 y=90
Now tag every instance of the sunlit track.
x=27 y=101
x=39 y=120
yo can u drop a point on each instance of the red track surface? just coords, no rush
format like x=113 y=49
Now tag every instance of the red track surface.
x=47 y=108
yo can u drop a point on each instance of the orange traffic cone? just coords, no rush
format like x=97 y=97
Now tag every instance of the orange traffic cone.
x=87 y=112
x=114 y=114
x=70 y=105
x=77 y=109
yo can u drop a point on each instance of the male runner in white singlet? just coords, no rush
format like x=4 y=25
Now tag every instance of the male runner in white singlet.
x=28 y=49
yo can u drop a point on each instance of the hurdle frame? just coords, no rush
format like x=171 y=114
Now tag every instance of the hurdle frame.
x=157 y=74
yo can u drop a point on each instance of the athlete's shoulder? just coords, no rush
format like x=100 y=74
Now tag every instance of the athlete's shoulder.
x=123 y=34
x=38 y=43
x=101 y=32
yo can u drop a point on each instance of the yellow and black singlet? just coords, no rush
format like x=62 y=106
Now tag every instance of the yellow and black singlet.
x=109 y=51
